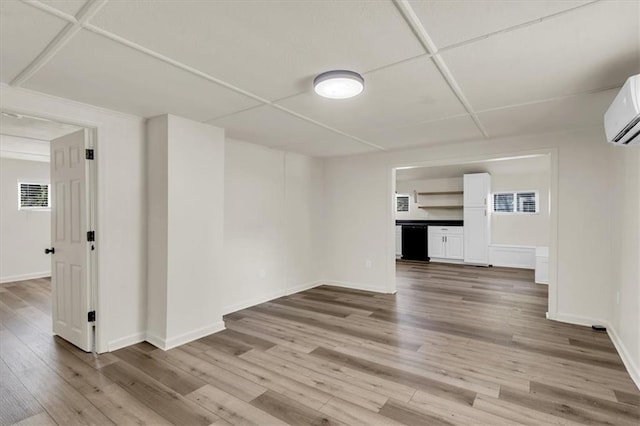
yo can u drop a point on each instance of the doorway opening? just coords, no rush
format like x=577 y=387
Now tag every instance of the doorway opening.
x=477 y=223
x=49 y=252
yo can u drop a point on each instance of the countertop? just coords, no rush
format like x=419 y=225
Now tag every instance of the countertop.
x=430 y=222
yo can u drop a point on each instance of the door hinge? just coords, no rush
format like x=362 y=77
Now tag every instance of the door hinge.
x=91 y=317
x=91 y=236
x=89 y=154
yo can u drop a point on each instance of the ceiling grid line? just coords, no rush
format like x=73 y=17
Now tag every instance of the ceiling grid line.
x=60 y=40
x=474 y=40
x=52 y=10
x=425 y=39
x=538 y=101
x=515 y=27
x=201 y=74
x=82 y=23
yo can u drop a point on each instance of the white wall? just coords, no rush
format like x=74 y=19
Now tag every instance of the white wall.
x=24 y=234
x=522 y=229
x=446 y=184
x=121 y=230
x=186 y=192
x=354 y=184
x=273 y=227
x=625 y=229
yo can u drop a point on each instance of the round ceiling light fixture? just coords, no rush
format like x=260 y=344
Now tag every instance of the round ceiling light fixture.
x=339 y=84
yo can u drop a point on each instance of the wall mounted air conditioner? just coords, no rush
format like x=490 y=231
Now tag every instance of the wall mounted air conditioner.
x=622 y=119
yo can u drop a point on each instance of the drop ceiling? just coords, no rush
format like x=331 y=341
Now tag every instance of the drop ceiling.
x=435 y=71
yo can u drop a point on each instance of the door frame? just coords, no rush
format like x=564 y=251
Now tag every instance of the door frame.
x=551 y=153
x=94 y=132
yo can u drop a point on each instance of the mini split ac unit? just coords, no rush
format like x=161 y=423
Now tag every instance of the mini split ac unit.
x=622 y=119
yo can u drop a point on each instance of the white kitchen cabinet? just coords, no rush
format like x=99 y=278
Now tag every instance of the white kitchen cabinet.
x=446 y=243
x=436 y=244
x=477 y=231
x=476 y=236
x=477 y=187
x=398 y=242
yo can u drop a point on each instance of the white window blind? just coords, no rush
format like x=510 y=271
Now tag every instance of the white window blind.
x=33 y=196
x=503 y=202
x=402 y=203
x=515 y=202
x=527 y=202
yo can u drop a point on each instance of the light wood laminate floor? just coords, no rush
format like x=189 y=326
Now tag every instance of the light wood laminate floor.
x=456 y=345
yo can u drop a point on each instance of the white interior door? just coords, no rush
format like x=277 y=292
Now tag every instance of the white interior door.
x=70 y=277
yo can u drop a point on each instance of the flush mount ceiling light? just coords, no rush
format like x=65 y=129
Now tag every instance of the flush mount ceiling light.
x=338 y=84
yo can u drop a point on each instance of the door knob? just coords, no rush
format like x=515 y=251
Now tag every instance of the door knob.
x=51 y=250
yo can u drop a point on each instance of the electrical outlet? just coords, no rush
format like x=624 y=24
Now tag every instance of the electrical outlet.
x=368 y=264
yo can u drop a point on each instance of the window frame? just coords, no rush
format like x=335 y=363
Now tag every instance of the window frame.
x=34 y=182
x=515 y=202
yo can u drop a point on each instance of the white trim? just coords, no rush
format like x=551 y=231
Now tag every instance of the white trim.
x=258 y=300
x=123 y=342
x=154 y=340
x=357 y=286
x=181 y=339
x=24 y=156
x=576 y=319
x=632 y=367
x=512 y=256
x=445 y=260
x=24 y=277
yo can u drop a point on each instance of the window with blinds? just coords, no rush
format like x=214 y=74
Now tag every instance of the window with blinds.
x=33 y=196
x=402 y=203
x=515 y=202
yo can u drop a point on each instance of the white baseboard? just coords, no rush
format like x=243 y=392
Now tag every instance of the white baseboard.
x=509 y=256
x=156 y=341
x=631 y=364
x=440 y=260
x=24 y=277
x=576 y=319
x=267 y=297
x=358 y=286
x=632 y=367
x=190 y=336
x=123 y=342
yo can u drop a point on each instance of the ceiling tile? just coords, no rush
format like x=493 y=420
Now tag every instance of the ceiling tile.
x=271 y=48
x=446 y=130
x=269 y=126
x=72 y=7
x=413 y=91
x=19 y=43
x=571 y=113
x=592 y=48
x=450 y=22
x=98 y=71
